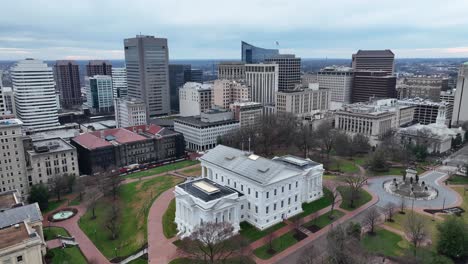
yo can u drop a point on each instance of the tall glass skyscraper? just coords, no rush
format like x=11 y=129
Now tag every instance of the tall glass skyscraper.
x=252 y=54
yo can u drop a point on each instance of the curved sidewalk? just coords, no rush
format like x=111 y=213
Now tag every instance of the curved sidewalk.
x=160 y=249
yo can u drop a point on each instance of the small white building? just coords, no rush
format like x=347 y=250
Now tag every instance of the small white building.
x=195 y=98
x=239 y=186
x=129 y=112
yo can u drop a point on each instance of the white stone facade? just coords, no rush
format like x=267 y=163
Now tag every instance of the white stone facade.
x=339 y=80
x=195 y=98
x=129 y=112
x=271 y=190
x=303 y=102
x=263 y=82
x=226 y=92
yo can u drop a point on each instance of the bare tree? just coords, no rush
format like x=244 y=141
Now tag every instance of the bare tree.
x=305 y=139
x=333 y=196
x=326 y=137
x=80 y=188
x=355 y=184
x=344 y=248
x=371 y=218
x=402 y=205
x=415 y=229
x=309 y=256
x=211 y=242
x=269 y=241
x=297 y=223
x=57 y=185
x=113 y=180
x=113 y=220
x=390 y=211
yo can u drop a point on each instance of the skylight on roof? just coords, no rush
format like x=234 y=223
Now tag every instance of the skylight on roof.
x=253 y=157
x=206 y=187
x=296 y=161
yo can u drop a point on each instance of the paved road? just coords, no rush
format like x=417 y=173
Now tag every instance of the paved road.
x=432 y=178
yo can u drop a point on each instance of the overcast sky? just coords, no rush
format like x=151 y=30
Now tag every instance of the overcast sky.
x=213 y=29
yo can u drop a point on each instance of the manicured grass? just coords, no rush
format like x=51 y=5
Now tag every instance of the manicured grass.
x=52 y=232
x=324 y=219
x=384 y=242
x=53 y=205
x=464 y=205
x=399 y=221
x=395 y=171
x=334 y=178
x=75 y=201
x=229 y=261
x=162 y=169
x=458 y=180
x=252 y=234
x=194 y=172
x=343 y=165
x=279 y=244
x=312 y=207
x=360 y=160
x=169 y=227
x=139 y=261
x=135 y=198
x=362 y=198
x=69 y=255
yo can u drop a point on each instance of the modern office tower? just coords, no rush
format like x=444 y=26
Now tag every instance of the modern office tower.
x=9 y=101
x=187 y=72
x=119 y=82
x=13 y=165
x=99 y=94
x=129 y=112
x=303 y=101
x=226 y=92
x=98 y=67
x=202 y=132
x=147 y=60
x=252 y=54
x=373 y=84
x=35 y=100
x=263 y=82
x=460 y=108
x=289 y=70
x=176 y=81
x=67 y=77
x=374 y=60
x=420 y=86
x=249 y=114
x=339 y=80
x=195 y=98
x=196 y=75
x=231 y=70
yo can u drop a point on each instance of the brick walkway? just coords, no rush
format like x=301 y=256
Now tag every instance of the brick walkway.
x=160 y=249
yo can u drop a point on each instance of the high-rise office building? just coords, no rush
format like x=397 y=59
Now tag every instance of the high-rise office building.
x=460 y=108
x=9 y=101
x=67 y=77
x=226 y=92
x=252 y=54
x=231 y=70
x=147 y=60
x=98 y=67
x=2 y=99
x=119 y=82
x=176 y=80
x=263 y=82
x=35 y=99
x=13 y=166
x=373 y=84
x=99 y=94
x=421 y=86
x=374 y=60
x=196 y=75
x=339 y=80
x=187 y=72
x=289 y=70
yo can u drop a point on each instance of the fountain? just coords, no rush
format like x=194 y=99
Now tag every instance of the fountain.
x=410 y=186
x=62 y=214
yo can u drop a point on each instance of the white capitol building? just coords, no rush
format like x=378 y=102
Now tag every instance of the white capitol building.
x=237 y=186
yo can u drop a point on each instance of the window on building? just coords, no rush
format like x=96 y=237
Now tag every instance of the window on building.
x=248 y=190
x=289 y=186
x=297 y=184
x=289 y=200
x=275 y=192
x=267 y=195
x=295 y=198
x=256 y=209
x=274 y=207
x=256 y=194
x=282 y=204
x=19 y=258
x=282 y=189
x=266 y=209
x=248 y=206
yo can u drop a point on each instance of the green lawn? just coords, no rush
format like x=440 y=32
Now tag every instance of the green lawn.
x=52 y=232
x=400 y=219
x=162 y=169
x=465 y=201
x=363 y=198
x=458 y=179
x=360 y=160
x=252 y=234
x=334 y=178
x=75 y=201
x=229 y=261
x=395 y=171
x=312 y=207
x=343 y=165
x=69 y=255
x=53 y=205
x=139 y=261
x=279 y=244
x=135 y=198
x=169 y=227
x=384 y=242
x=194 y=172
x=324 y=219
